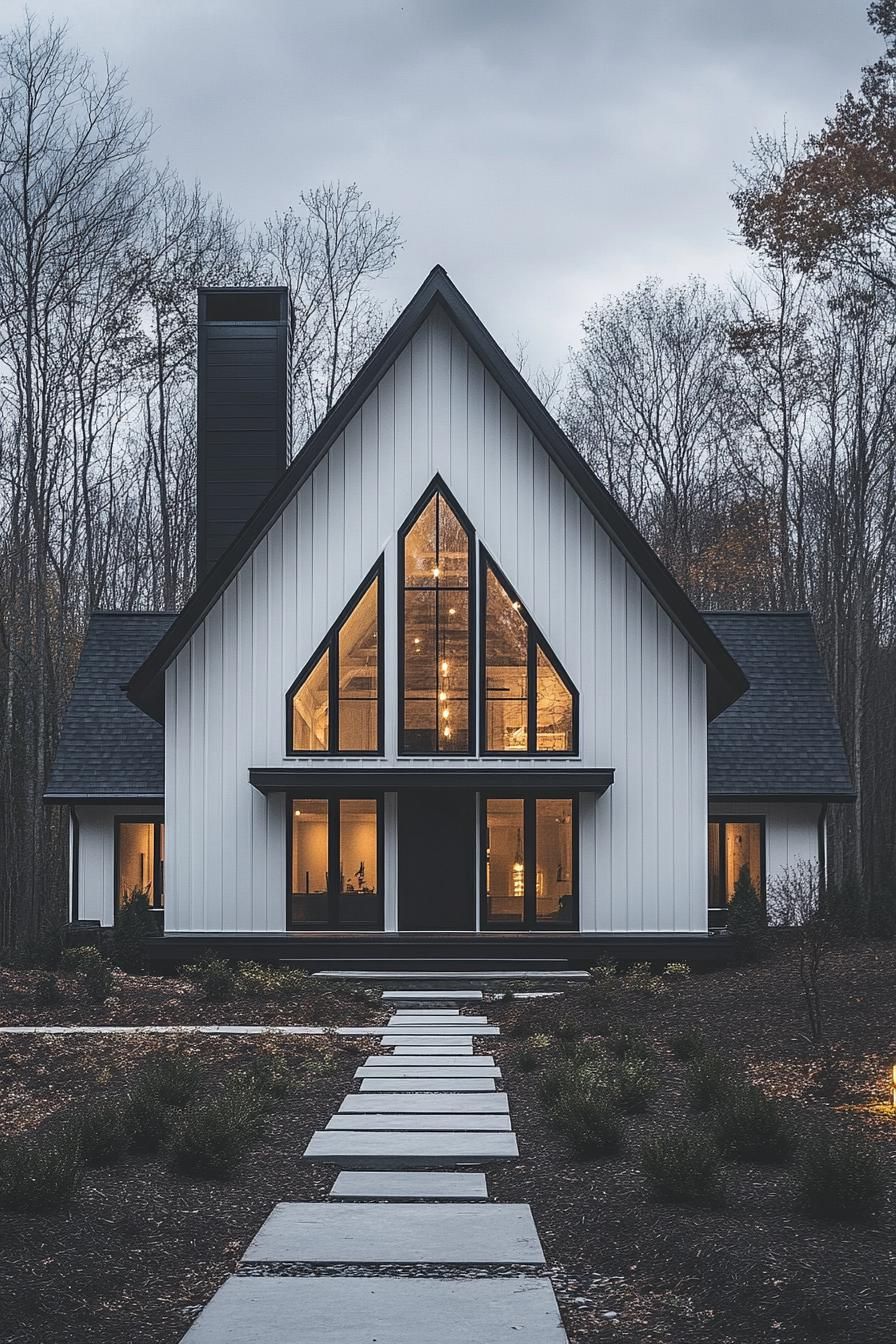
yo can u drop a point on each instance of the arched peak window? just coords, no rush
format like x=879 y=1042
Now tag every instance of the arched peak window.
x=335 y=704
x=530 y=707
x=436 y=663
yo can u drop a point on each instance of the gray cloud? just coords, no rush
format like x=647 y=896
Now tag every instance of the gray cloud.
x=546 y=152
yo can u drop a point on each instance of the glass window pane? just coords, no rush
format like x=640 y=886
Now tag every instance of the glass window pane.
x=311 y=709
x=504 y=860
x=553 y=861
x=359 y=675
x=454 y=549
x=553 y=708
x=358 y=877
x=506 y=670
x=453 y=669
x=310 y=861
x=136 y=860
x=716 y=897
x=420 y=550
x=742 y=849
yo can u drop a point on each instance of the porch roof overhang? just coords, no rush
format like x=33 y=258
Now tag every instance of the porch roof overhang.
x=545 y=780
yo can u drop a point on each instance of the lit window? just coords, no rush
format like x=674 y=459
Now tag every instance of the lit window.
x=334 y=863
x=527 y=847
x=140 y=860
x=435 y=658
x=529 y=705
x=734 y=844
x=334 y=706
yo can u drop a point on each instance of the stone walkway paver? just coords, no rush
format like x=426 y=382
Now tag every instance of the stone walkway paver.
x=401 y=1252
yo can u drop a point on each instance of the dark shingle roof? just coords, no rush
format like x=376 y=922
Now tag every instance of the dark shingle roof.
x=109 y=749
x=782 y=737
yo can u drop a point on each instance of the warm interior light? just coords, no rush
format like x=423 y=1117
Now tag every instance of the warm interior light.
x=445 y=713
x=894 y=1087
x=435 y=571
x=447 y=732
x=444 y=665
x=442 y=695
x=452 y=611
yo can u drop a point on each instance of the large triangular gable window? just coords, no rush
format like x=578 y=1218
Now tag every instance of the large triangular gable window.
x=335 y=704
x=529 y=706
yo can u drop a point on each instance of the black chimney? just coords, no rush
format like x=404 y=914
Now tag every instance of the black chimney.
x=243 y=410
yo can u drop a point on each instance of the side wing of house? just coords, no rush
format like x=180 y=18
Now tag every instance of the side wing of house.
x=641 y=685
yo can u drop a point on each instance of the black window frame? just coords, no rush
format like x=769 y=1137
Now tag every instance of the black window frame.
x=438 y=487
x=530 y=919
x=535 y=640
x=333 y=799
x=330 y=645
x=723 y=819
x=156 y=819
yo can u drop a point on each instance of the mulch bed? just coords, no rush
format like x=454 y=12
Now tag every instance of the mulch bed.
x=141 y=1250
x=155 y=1000
x=631 y=1270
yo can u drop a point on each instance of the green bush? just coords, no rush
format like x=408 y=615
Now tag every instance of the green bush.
x=842 y=1175
x=212 y=1135
x=640 y=977
x=630 y=1043
x=746 y=913
x=98 y=981
x=676 y=970
x=688 y=1043
x=750 y=1126
x=174 y=1079
x=46 y=991
x=682 y=1167
x=215 y=977
x=568 y=1031
x=270 y=982
x=528 y=1059
x=40 y=1172
x=635 y=1083
x=145 y=1119
x=709 y=1077
x=270 y=1075
x=604 y=973
x=78 y=960
x=104 y=1135
x=133 y=923
x=587 y=1118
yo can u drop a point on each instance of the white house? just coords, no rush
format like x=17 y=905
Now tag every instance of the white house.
x=434 y=698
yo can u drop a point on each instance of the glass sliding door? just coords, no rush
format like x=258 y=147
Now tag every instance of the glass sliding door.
x=140 y=859
x=735 y=844
x=529 y=862
x=335 y=861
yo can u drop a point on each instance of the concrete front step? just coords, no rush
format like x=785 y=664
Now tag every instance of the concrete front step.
x=417 y=1234
x=431 y=1051
x=420 y=1103
x=453 y=1084
x=391 y=1042
x=410 y=1185
x=434 y=1070
x=451 y=1020
x=424 y=1061
x=457 y=1122
x=405 y=996
x=337 y=1310
x=460 y=1026
x=389 y=1150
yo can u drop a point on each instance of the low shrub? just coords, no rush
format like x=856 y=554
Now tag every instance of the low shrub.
x=145 y=1120
x=174 y=1079
x=98 y=981
x=587 y=1118
x=528 y=1059
x=831 y=1074
x=560 y=1078
x=568 y=1031
x=688 y=1043
x=640 y=977
x=630 y=1043
x=211 y=1136
x=40 y=1172
x=133 y=923
x=842 y=1175
x=683 y=1167
x=750 y=1126
x=104 y=1135
x=270 y=1075
x=747 y=919
x=604 y=973
x=269 y=982
x=46 y=991
x=709 y=1076
x=676 y=970
x=635 y=1083
x=78 y=960
x=215 y=977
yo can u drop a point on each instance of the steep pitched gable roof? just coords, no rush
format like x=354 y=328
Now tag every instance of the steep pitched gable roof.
x=782 y=738
x=725 y=680
x=109 y=749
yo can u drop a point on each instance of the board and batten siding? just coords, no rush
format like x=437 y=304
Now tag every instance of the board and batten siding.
x=642 y=687
x=96 y=857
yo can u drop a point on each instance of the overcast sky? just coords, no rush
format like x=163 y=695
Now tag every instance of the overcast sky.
x=546 y=152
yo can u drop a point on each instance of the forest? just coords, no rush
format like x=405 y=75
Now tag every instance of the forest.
x=749 y=430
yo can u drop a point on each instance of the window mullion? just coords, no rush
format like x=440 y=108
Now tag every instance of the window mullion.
x=531 y=689
x=529 y=899
x=334 y=884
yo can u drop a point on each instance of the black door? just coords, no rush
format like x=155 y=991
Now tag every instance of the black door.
x=436 y=860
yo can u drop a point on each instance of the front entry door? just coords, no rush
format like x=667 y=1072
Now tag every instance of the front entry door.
x=436 y=860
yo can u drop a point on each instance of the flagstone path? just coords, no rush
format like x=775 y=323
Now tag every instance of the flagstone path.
x=406 y=1247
